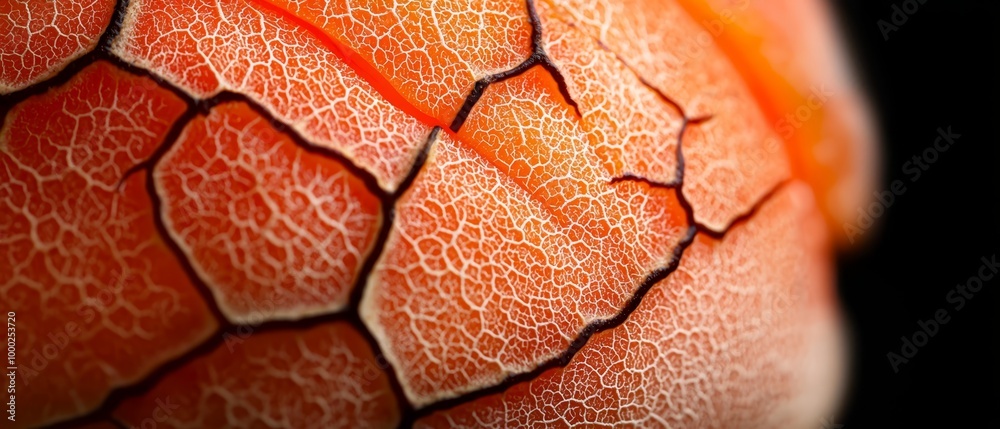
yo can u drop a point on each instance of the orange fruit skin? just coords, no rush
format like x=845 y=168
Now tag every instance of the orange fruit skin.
x=544 y=213
x=42 y=37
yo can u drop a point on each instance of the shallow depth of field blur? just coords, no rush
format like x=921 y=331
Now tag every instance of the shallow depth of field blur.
x=933 y=68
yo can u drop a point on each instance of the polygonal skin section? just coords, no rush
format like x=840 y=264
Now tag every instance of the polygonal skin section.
x=207 y=46
x=320 y=377
x=102 y=299
x=262 y=220
x=717 y=344
x=41 y=37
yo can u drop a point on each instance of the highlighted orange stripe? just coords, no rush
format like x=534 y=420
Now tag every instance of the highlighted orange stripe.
x=353 y=60
x=774 y=94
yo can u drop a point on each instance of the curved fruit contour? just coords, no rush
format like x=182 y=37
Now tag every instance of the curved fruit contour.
x=450 y=224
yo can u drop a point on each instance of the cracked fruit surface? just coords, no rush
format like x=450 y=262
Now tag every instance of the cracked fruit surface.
x=313 y=214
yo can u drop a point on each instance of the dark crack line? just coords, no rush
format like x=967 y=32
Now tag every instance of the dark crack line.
x=678 y=179
x=643 y=80
x=657 y=275
x=632 y=177
x=9 y=101
x=226 y=330
x=657 y=91
x=353 y=314
x=216 y=340
x=703 y=229
x=598 y=326
x=678 y=183
x=747 y=215
x=388 y=202
x=103 y=45
x=114 y=26
x=538 y=45
x=538 y=57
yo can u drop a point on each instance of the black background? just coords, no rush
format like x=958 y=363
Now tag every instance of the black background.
x=938 y=69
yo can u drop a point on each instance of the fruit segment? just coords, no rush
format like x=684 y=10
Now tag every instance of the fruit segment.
x=41 y=37
x=207 y=46
x=430 y=52
x=275 y=231
x=718 y=343
x=789 y=49
x=321 y=377
x=636 y=131
x=737 y=157
x=510 y=241
x=101 y=297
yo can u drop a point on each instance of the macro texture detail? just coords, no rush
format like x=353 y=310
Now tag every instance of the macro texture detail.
x=312 y=214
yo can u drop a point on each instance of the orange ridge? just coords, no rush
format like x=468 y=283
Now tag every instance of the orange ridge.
x=353 y=60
